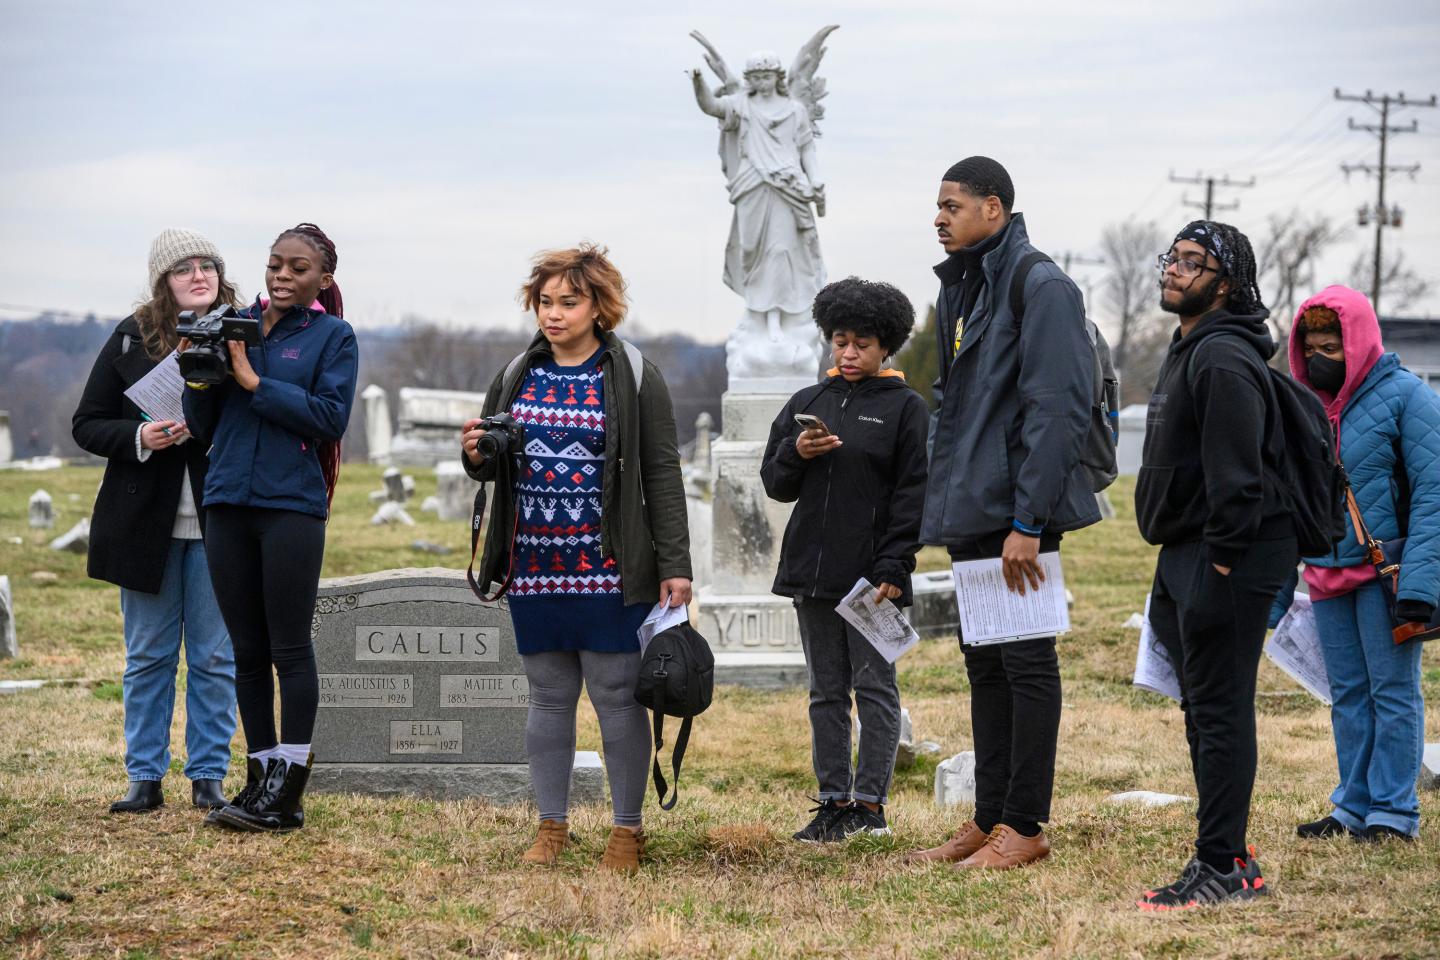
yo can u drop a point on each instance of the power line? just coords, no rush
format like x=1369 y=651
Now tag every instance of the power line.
x=1382 y=131
x=1211 y=182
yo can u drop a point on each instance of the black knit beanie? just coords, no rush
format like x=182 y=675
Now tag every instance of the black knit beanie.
x=984 y=178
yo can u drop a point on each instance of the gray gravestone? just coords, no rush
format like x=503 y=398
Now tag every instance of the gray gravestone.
x=422 y=692
x=74 y=540
x=9 y=648
x=42 y=511
x=7 y=448
x=454 y=491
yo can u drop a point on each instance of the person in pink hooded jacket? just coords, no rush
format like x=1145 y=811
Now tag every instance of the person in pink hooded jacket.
x=1387 y=424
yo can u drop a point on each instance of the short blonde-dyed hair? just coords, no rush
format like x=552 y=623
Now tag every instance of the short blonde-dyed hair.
x=587 y=270
x=1320 y=320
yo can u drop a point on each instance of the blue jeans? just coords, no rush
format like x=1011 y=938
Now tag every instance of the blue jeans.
x=154 y=625
x=1378 y=712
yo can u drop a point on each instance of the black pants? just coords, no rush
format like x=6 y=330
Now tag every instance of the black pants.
x=1014 y=712
x=1213 y=627
x=265 y=566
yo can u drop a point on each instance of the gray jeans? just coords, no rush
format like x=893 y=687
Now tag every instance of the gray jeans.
x=841 y=660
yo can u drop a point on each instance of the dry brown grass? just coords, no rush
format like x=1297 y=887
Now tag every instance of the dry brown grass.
x=418 y=878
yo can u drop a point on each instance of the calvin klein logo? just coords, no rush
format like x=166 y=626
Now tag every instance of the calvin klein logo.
x=871 y=420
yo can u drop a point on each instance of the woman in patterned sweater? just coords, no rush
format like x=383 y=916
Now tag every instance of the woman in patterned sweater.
x=590 y=534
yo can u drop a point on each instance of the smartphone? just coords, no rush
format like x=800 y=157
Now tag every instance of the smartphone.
x=808 y=421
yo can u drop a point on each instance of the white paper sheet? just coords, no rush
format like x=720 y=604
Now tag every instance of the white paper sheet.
x=1153 y=669
x=991 y=613
x=881 y=623
x=660 y=619
x=1295 y=648
x=158 y=393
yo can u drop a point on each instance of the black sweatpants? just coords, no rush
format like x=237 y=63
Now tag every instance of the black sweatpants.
x=1014 y=713
x=265 y=567
x=1213 y=626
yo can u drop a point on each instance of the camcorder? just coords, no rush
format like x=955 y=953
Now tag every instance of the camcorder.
x=208 y=359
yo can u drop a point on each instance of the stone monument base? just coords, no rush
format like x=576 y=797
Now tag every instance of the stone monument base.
x=500 y=783
x=762 y=671
x=756 y=640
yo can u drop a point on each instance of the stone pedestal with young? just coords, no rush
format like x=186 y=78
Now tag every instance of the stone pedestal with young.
x=422 y=692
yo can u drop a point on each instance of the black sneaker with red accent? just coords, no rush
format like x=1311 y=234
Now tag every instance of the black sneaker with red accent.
x=1201 y=885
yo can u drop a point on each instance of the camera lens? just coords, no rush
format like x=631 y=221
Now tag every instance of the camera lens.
x=492 y=444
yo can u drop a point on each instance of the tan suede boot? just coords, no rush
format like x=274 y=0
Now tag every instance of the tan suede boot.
x=623 y=851
x=553 y=837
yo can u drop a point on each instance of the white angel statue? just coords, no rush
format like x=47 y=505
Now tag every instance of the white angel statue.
x=772 y=259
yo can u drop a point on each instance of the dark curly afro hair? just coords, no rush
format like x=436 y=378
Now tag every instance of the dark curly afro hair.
x=866 y=308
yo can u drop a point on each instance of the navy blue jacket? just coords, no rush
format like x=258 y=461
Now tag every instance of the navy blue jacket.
x=263 y=449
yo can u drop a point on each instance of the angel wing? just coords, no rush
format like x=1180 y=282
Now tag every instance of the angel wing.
x=804 y=85
x=728 y=83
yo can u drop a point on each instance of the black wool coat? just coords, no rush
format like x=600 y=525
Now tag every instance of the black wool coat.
x=135 y=508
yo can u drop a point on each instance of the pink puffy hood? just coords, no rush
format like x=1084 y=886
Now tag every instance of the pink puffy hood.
x=1360 y=331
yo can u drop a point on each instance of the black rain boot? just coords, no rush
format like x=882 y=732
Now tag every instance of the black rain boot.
x=206 y=795
x=254 y=780
x=277 y=808
x=143 y=795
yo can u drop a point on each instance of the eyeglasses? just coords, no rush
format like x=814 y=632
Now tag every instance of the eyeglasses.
x=187 y=267
x=1183 y=268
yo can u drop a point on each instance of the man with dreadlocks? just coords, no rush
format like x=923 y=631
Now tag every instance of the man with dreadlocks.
x=1211 y=494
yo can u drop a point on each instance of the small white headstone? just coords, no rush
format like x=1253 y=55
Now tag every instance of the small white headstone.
x=955 y=780
x=377 y=423
x=8 y=646
x=76 y=539
x=7 y=449
x=395 y=485
x=1136 y=622
x=42 y=511
x=454 y=490
x=1430 y=768
x=1147 y=798
x=391 y=512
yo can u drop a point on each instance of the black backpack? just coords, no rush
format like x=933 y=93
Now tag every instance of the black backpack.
x=1313 y=479
x=1097 y=457
x=677 y=679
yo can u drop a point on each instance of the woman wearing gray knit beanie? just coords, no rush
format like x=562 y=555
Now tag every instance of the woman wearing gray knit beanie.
x=145 y=535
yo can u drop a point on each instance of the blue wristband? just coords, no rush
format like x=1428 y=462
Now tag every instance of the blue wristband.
x=1027 y=530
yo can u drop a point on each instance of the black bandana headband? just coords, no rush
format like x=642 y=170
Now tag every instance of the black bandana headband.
x=1204 y=233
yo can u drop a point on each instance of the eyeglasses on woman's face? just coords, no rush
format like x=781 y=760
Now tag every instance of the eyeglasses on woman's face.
x=185 y=268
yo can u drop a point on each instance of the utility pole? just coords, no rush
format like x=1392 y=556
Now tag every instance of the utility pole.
x=1211 y=182
x=1382 y=104
x=1071 y=257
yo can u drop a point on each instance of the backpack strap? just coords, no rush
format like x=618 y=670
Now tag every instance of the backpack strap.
x=1018 y=278
x=676 y=757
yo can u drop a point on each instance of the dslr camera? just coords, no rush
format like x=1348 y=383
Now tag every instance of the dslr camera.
x=503 y=437
x=208 y=359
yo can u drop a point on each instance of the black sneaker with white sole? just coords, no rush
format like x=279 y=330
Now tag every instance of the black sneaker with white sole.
x=1201 y=885
x=819 y=829
x=859 y=820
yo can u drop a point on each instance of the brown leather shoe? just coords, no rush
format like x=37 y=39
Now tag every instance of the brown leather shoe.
x=966 y=841
x=623 y=851
x=553 y=837
x=1007 y=849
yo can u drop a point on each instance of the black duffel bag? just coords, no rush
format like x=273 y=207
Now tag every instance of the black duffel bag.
x=677 y=679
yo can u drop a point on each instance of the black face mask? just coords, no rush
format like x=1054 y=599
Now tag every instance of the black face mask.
x=1325 y=374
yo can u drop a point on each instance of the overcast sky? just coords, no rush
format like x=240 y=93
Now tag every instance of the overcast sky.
x=441 y=144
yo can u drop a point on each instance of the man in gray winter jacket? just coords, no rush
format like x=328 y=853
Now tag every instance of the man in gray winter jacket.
x=1005 y=482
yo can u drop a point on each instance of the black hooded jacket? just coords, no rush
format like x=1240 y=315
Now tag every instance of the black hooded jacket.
x=1214 y=442
x=857 y=508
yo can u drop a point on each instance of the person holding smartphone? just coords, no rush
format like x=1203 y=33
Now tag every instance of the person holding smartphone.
x=849 y=452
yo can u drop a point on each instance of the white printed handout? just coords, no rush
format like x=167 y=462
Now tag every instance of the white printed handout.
x=1295 y=648
x=158 y=393
x=660 y=619
x=991 y=613
x=1153 y=669
x=881 y=623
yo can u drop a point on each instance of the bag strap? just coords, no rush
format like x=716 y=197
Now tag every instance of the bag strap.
x=1018 y=278
x=1373 y=552
x=681 y=742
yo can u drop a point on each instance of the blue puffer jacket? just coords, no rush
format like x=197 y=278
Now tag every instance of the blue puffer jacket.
x=264 y=444
x=1393 y=409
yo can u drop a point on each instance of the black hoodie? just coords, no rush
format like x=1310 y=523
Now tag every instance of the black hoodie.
x=857 y=508
x=1214 y=442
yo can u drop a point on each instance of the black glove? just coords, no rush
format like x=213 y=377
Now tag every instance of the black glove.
x=1414 y=611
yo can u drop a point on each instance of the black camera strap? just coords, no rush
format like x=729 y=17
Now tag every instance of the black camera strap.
x=477 y=518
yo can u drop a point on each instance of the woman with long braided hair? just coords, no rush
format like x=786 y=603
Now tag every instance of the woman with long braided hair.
x=275 y=427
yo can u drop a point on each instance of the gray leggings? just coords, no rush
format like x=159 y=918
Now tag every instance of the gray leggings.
x=550 y=728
